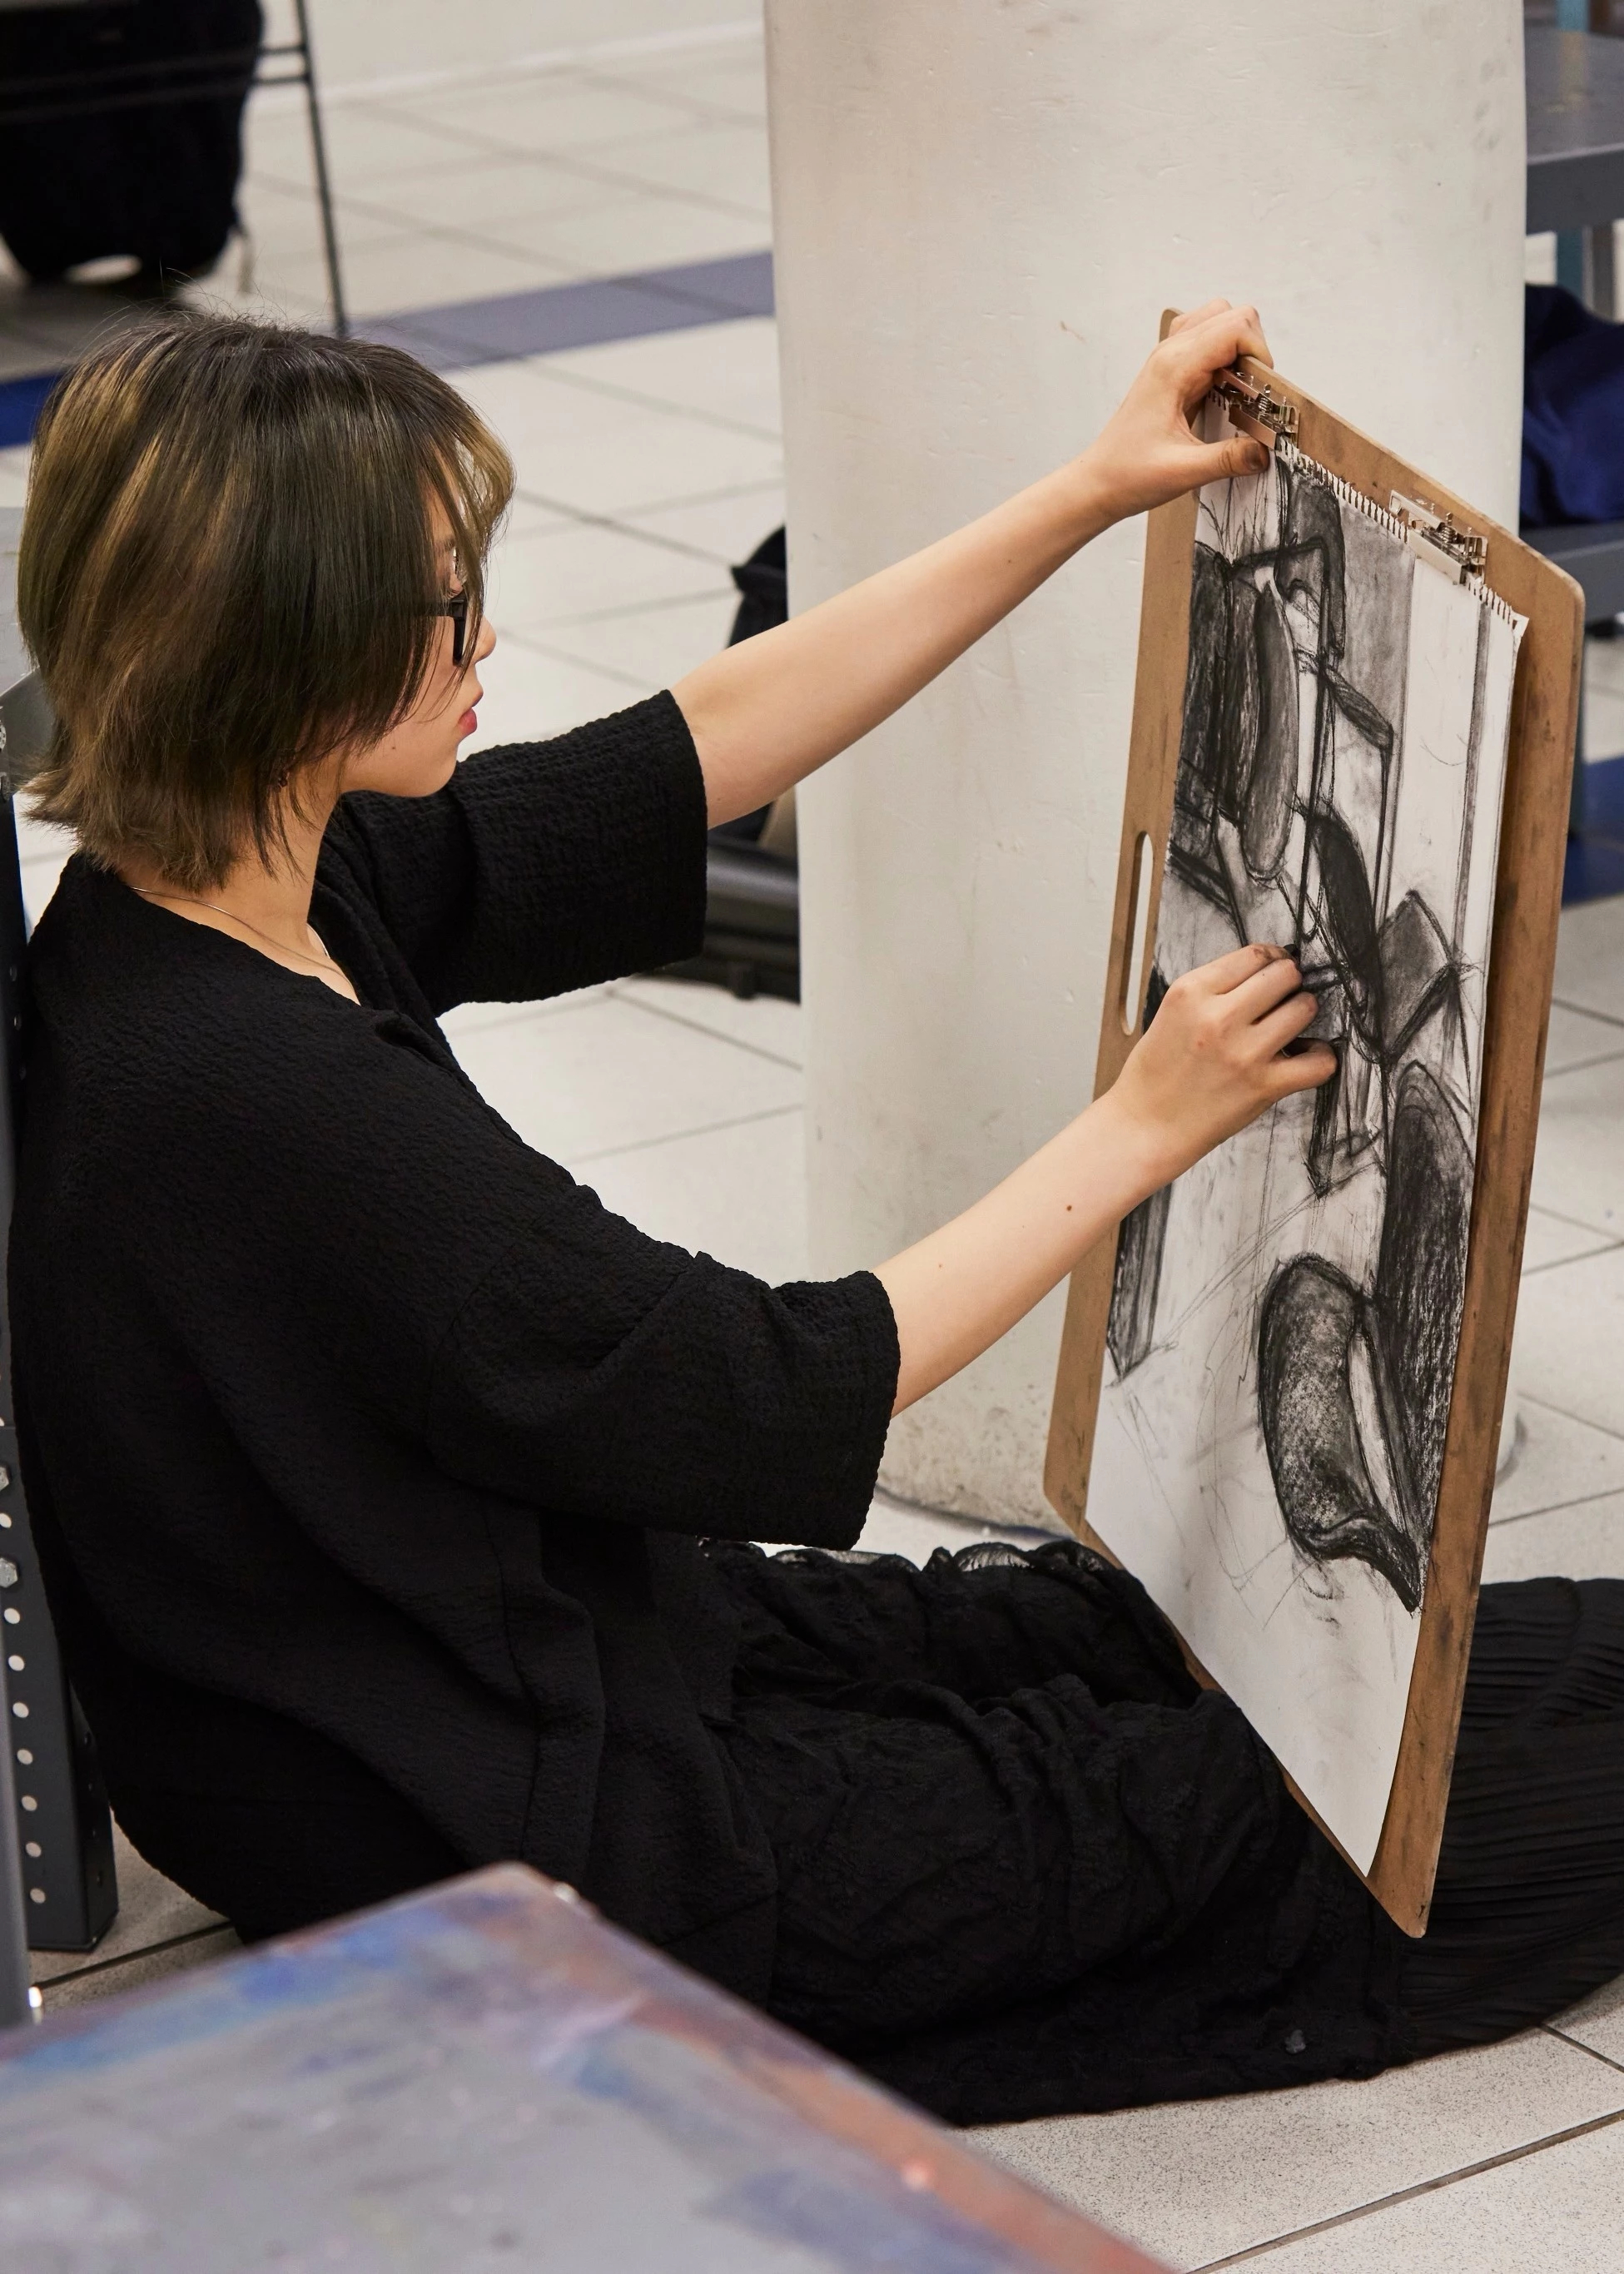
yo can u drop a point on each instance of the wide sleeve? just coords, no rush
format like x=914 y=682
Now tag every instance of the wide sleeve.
x=386 y=1238
x=540 y=867
x=730 y=1409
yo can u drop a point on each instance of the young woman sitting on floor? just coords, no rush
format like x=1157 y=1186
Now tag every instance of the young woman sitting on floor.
x=395 y=1497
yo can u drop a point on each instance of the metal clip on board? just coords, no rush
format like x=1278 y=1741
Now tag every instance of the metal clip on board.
x=1256 y=409
x=1439 y=539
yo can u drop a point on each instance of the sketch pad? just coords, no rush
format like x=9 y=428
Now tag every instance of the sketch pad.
x=1280 y=1389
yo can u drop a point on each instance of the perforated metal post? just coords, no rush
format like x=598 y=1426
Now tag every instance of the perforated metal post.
x=60 y=1832
x=13 y=1901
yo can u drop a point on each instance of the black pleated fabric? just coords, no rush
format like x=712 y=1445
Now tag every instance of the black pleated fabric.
x=1529 y=1911
x=1026 y=1867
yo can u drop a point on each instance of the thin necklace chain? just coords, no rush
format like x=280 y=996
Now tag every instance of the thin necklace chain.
x=231 y=917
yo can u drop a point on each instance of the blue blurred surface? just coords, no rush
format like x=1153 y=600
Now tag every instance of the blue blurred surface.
x=483 y=2077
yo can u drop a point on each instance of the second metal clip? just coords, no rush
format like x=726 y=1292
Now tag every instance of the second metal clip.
x=1257 y=410
x=1439 y=539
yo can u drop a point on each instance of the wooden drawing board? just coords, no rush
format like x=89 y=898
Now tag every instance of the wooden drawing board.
x=1527 y=903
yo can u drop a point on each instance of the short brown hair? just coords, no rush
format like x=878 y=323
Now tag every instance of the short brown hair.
x=229 y=567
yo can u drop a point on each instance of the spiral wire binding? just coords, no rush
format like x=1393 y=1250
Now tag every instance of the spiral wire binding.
x=1299 y=462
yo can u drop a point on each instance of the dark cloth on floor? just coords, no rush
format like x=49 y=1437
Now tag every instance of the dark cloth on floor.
x=368 y=1451
x=1028 y=1868
x=1573 y=400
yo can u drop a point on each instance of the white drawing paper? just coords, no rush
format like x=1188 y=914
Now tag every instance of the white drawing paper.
x=1285 y=1318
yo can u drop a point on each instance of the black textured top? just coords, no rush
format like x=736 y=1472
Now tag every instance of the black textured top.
x=370 y=1453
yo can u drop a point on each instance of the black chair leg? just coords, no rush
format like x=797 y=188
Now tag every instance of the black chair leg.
x=324 y=191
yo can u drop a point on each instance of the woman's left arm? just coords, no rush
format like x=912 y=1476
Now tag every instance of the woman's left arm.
x=767 y=712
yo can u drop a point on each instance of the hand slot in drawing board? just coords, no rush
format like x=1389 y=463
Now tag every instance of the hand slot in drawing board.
x=1262 y=1414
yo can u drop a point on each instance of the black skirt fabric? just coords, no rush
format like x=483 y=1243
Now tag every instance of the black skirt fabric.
x=1529 y=1912
x=1026 y=1867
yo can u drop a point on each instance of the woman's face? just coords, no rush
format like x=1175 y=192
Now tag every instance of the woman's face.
x=419 y=754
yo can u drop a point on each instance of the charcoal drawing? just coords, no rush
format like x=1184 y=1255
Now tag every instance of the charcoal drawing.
x=1284 y=1321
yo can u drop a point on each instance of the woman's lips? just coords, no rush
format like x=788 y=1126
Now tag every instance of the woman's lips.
x=467 y=723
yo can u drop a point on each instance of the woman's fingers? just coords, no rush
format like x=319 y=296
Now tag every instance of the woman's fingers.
x=1213 y=345
x=1192 y=316
x=1283 y=1025
x=1225 y=973
x=1236 y=454
x=1305 y=1070
x=1216 y=340
x=1273 y=983
x=1241 y=325
x=1148 y=452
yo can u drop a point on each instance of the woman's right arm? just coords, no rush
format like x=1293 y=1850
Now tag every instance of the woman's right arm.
x=1212 y=1060
x=541 y=866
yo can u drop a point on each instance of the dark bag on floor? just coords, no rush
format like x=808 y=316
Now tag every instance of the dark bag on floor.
x=752 y=899
x=1573 y=412
x=120 y=133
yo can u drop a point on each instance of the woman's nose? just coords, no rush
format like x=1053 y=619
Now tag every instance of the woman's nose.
x=486 y=640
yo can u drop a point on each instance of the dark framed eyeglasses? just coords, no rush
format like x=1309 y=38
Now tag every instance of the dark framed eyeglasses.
x=456 y=608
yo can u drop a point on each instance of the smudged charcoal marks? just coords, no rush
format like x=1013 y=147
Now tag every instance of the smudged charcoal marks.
x=1421 y=1270
x=1271 y=785
x=1290 y=778
x=1131 y=1325
x=1313 y=562
x=1312 y=1322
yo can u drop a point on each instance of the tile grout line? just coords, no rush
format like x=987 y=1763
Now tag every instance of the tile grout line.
x=687 y=113
x=1583 y=1419
x=128 y=1957
x=612 y=391
x=613 y=528
x=554 y=1008
x=625 y=522
x=1528 y=1397
x=603 y=178
x=1557 y=1507
x=1577 y=1222
x=1409 y=2194
x=698 y=1027
x=1579 y=2045
x=408 y=228
x=581 y=662
x=692 y=114
x=1583 y=1065
x=772 y=482
x=544 y=1006
x=701 y=112
x=591 y=55
x=1583 y=1011
x=675 y=1136
x=1585 y=1255
x=643 y=608
x=562 y=62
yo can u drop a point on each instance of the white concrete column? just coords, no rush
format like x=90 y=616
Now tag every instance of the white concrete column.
x=980 y=208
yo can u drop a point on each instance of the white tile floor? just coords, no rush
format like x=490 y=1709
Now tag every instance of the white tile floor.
x=646 y=467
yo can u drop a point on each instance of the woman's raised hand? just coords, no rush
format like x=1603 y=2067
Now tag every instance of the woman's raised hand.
x=1147 y=451
x=1214 y=1058
x=764 y=713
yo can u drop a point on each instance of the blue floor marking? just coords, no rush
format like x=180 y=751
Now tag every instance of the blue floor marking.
x=587 y=314
x=466 y=333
